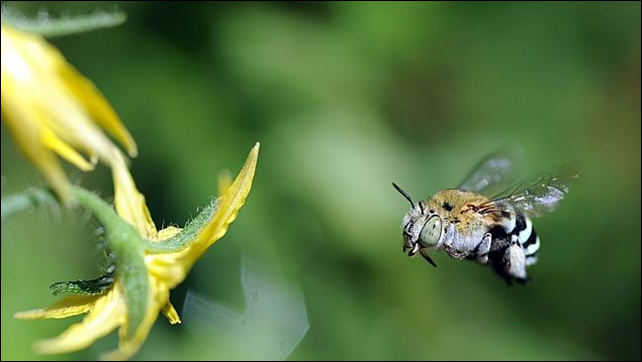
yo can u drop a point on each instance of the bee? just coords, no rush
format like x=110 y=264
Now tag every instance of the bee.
x=492 y=230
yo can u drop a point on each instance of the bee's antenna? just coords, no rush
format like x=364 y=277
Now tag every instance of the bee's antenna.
x=404 y=193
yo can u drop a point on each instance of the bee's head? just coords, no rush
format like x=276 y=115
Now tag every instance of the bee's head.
x=421 y=229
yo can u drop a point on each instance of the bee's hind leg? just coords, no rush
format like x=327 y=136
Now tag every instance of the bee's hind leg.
x=483 y=248
x=515 y=261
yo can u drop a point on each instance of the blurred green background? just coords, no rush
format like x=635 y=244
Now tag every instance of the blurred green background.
x=346 y=98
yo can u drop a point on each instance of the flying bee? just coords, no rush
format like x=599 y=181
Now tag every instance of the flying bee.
x=493 y=230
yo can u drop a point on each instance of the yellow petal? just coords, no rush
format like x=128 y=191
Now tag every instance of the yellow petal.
x=22 y=121
x=50 y=167
x=229 y=204
x=42 y=91
x=23 y=118
x=171 y=314
x=68 y=307
x=96 y=104
x=65 y=151
x=108 y=313
x=130 y=203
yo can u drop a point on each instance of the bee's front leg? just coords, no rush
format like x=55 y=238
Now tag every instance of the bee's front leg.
x=456 y=254
x=483 y=248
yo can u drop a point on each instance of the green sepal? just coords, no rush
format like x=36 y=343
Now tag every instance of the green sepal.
x=187 y=235
x=96 y=286
x=50 y=27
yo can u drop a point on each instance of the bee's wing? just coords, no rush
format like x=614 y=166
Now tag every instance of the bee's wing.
x=538 y=195
x=491 y=172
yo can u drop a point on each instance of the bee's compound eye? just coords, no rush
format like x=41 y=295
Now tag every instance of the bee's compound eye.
x=431 y=232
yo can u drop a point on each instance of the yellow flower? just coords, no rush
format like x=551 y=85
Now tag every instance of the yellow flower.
x=49 y=107
x=166 y=257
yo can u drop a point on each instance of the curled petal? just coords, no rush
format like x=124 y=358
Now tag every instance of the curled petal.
x=97 y=106
x=130 y=203
x=65 y=151
x=108 y=312
x=212 y=221
x=229 y=204
x=68 y=307
x=24 y=124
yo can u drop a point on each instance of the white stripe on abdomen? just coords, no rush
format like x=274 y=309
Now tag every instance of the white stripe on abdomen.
x=532 y=249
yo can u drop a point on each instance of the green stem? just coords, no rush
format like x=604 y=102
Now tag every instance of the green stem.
x=28 y=199
x=127 y=245
x=124 y=241
x=101 y=210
